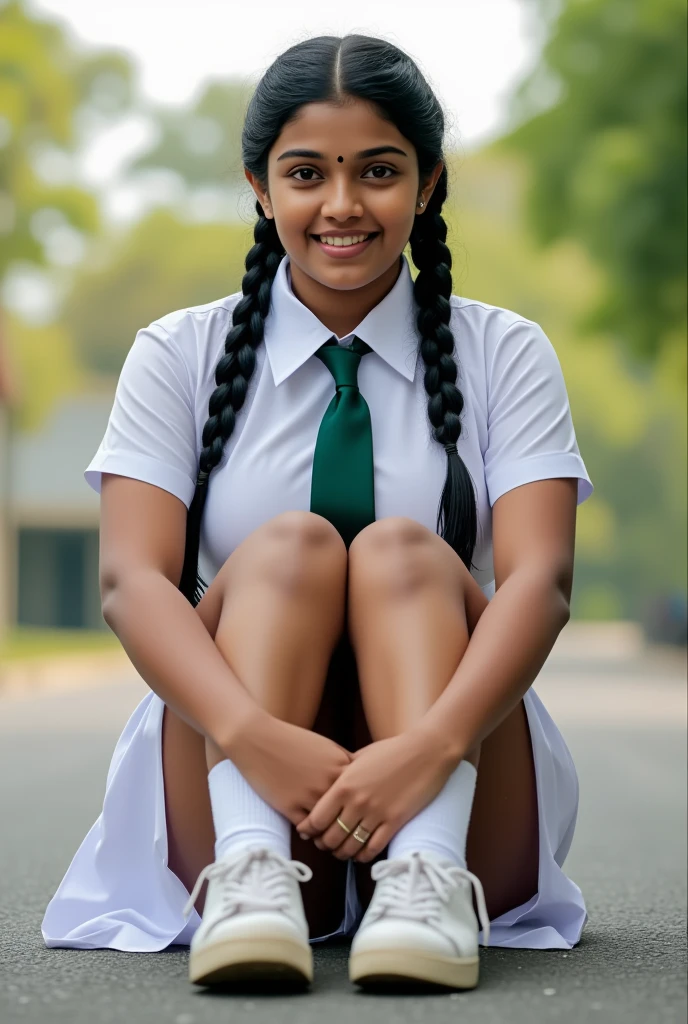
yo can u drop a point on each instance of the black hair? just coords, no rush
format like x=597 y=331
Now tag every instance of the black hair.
x=339 y=70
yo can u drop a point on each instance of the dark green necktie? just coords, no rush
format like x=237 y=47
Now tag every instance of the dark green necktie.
x=342 y=485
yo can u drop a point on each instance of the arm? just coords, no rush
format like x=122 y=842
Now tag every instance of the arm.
x=142 y=537
x=533 y=543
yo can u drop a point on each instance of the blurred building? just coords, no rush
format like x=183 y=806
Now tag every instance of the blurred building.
x=7 y=397
x=51 y=517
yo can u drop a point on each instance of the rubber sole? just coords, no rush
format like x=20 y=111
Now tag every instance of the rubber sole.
x=251 y=960
x=384 y=967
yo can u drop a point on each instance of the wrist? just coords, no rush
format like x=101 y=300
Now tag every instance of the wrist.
x=440 y=742
x=239 y=725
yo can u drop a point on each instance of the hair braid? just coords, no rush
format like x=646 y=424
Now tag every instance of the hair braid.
x=232 y=376
x=456 y=515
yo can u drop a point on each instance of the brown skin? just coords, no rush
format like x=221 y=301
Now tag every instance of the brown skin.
x=311 y=196
x=247 y=674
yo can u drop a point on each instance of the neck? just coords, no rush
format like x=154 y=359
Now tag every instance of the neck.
x=341 y=310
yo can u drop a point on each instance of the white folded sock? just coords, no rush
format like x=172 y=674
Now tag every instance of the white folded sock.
x=441 y=826
x=241 y=816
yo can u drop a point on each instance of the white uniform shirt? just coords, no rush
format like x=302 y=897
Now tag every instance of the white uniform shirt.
x=516 y=422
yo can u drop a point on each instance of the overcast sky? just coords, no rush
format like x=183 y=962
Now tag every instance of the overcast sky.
x=472 y=51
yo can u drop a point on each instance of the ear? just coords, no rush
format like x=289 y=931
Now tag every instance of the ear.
x=430 y=183
x=261 y=193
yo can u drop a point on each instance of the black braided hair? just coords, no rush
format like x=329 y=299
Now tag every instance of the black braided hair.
x=457 y=519
x=333 y=69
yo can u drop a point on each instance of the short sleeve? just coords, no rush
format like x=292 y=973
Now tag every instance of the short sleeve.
x=529 y=425
x=151 y=432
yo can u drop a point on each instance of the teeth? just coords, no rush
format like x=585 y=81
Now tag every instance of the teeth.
x=347 y=240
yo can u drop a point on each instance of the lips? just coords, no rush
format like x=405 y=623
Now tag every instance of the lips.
x=345 y=252
x=369 y=237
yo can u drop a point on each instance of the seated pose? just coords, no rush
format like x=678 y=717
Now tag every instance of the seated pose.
x=337 y=538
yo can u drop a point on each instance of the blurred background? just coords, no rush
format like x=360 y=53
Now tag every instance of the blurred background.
x=122 y=198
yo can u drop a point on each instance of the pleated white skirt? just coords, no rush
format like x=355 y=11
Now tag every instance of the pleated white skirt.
x=118 y=892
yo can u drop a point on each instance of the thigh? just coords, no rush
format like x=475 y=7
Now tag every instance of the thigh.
x=503 y=836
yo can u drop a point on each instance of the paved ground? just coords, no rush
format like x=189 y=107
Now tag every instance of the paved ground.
x=624 y=719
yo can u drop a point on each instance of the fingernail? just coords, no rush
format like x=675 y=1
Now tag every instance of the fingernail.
x=303 y=835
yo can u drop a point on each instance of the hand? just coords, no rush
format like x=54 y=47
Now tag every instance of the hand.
x=386 y=784
x=290 y=767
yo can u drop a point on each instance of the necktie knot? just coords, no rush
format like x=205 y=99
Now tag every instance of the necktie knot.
x=343 y=361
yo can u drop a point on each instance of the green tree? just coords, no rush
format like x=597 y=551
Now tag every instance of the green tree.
x=50 y=97
x=158 y=266
x=45 y=87
x=608 y=155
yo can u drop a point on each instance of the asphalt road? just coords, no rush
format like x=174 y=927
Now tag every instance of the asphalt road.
x=625 y=723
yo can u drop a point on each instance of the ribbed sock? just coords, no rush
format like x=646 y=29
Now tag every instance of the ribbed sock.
x=441 y=826
x=241 y=816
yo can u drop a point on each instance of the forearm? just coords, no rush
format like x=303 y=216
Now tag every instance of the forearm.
x=173 y=652
x=506 y=650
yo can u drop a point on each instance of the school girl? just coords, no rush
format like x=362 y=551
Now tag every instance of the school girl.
x=337 y=537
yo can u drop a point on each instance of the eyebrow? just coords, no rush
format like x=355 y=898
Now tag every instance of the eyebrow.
x=313 y=154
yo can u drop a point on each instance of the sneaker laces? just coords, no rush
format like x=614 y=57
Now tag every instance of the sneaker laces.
x=417 y=887
x=254 y=880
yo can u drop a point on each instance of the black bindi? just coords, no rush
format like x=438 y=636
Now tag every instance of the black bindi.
x=340 y=159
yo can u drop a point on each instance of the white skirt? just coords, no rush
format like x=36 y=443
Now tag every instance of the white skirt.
x=118 y=892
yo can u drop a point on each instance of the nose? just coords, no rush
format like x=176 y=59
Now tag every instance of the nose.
x=342 y=201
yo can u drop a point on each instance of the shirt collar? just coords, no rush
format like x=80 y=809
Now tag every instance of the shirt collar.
x=292 y=333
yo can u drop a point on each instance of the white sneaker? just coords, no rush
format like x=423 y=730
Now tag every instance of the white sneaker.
x=254 y=925
x=420 y=925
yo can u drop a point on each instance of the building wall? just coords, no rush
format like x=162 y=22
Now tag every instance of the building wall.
x=5 y=529
x=58 y=579
x=49 y=565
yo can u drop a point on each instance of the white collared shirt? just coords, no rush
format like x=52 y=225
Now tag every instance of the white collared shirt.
x=516 y=422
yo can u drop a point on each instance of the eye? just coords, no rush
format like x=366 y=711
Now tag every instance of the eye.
x=299 y=170
x=311 y=170
x=381 y=167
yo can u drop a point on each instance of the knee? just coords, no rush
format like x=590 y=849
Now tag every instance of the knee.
x=301 y=549
x=391 y=553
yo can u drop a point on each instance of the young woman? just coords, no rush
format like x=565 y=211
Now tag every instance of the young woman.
x=380 y=479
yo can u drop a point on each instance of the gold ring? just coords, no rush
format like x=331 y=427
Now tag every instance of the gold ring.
x=365 y=834
x=340 y=822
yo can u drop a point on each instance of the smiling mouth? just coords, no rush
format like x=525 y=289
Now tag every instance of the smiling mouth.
x=347 y=240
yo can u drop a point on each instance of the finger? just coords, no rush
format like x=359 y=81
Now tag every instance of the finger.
x=351 y=847
x=322 y=815
x=379 y=839
x=333 y=837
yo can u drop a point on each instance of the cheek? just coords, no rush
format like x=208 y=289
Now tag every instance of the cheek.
x=394 y=212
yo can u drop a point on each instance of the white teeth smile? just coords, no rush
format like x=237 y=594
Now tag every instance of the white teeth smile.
x=347 y=240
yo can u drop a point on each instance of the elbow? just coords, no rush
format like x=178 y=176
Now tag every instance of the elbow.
x=561 y=592
x=112 y=586
x=126 y=589
x=108 y=595
x=558 y=589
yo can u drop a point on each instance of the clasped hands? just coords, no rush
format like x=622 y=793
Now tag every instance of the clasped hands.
x=312 y=780
x=385 y=784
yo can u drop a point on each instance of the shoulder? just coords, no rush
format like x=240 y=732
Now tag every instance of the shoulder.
x=486 y=333
x=485 y=320
x=192 y=318
x=194 y=335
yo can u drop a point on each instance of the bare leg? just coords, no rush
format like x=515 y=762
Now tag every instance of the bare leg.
x=412 y=607
x=276 y=610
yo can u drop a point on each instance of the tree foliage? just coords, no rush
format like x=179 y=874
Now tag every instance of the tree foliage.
x=608 y=154
x=46 y=90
